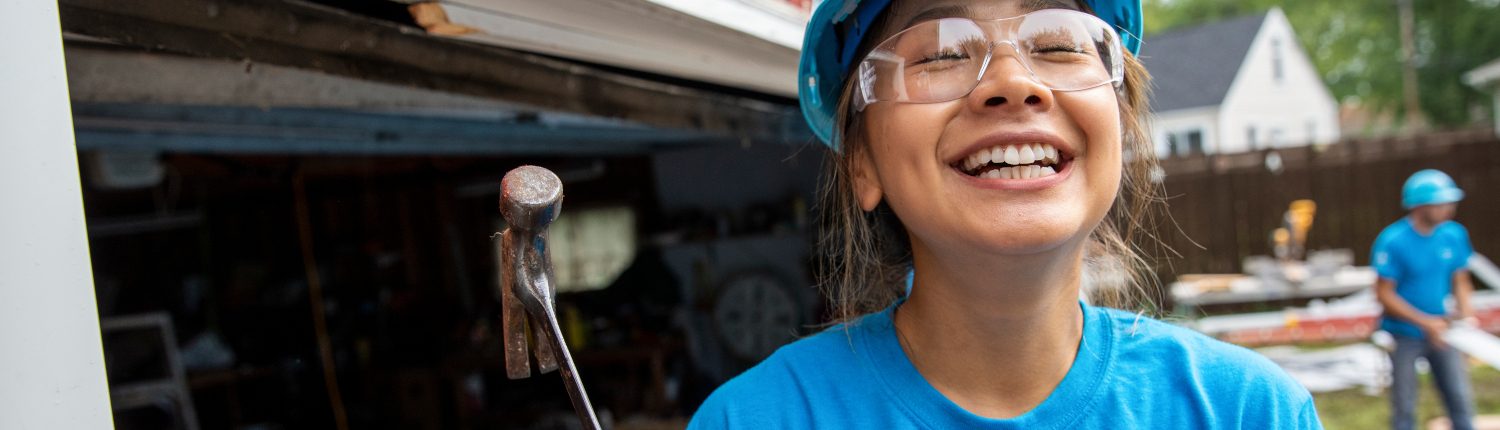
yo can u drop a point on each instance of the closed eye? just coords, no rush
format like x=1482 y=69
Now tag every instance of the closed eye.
x=1060 y=48
x=942 y=56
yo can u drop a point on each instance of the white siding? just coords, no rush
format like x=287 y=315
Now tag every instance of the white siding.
x=1182 y=121
x=1295 y=110
x=1487 y=78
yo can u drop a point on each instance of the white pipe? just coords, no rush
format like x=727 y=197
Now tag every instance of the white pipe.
x=51 y=362
x=1485 y=270
x=1476 y=343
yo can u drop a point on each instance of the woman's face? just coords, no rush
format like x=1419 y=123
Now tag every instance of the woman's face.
x=920 y=157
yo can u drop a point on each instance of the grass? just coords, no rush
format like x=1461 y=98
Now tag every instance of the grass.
x=1352 y=409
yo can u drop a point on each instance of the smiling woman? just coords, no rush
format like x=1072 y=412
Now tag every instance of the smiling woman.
x=988 y=165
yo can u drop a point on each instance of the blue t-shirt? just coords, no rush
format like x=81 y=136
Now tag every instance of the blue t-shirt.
x=1422 y=267
x=1131 y=372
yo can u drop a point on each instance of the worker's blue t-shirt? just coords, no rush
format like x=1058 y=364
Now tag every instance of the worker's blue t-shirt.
x=1422 y=267
x=1131 y=372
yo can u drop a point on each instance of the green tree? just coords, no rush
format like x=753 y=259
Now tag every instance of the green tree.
x=1356 y=46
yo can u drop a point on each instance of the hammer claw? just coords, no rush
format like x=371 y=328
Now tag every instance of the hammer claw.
x=513 y=325
x=546 y=358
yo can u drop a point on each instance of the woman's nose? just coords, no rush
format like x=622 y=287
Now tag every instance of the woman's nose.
x=1007 y=84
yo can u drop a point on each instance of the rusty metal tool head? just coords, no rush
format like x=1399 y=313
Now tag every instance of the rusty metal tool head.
x=530 y=198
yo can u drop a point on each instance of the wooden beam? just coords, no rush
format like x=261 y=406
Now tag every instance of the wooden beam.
x=249 y=130
x=432 y=17
x=308 y=36
x=751 y=51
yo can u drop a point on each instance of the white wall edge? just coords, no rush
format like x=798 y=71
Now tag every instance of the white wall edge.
x=51 y=360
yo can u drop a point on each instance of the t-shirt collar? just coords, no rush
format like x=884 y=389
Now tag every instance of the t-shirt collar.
x=882 y=353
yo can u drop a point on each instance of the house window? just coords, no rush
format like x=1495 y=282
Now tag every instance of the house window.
x=1250 y=137
x=1276 y=73
x=1312 y=131
x=1184 y=143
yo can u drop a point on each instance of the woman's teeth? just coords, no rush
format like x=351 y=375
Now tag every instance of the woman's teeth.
x=1024 y=161
x=1019 y=172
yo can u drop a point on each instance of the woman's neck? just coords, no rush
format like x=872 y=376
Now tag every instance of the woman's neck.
x=995 y=337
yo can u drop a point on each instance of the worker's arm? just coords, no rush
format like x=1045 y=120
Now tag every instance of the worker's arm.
x=1463 y=286
x=1385 y=292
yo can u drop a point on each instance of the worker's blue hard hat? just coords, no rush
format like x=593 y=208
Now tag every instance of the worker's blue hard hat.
x=1429 y=187
x=838 y=26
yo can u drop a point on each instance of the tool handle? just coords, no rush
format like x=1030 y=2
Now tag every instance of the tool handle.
x=570 y=377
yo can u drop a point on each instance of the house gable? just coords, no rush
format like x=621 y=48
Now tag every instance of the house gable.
x=1192 y=71
x=1195 y=67
x=1277 y=97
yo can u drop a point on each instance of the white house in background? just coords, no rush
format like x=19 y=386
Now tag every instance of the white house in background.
x=1234 y=86
x=1487 y=78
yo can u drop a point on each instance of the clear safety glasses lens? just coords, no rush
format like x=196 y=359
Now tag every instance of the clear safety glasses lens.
x=945 y=59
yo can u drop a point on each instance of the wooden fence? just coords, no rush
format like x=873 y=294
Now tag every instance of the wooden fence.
x=1230 y=204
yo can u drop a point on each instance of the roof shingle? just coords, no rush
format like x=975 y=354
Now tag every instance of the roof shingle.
x=1194 y=67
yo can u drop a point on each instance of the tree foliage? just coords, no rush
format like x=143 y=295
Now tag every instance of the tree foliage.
x=1356 y=46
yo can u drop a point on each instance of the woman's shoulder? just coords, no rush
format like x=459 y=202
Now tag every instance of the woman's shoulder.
x=1216 y=373
x=781 y=390
x=827 y=354
x=1140 y=335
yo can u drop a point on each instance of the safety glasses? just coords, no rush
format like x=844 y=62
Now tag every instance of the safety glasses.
x=945 y=59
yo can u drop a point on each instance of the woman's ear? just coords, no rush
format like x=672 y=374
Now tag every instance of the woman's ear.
x=866 y=183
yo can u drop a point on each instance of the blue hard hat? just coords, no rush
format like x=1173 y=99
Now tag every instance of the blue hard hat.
x=838 y=26
x=1429 y=187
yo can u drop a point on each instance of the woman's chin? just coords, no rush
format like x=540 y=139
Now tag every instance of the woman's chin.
x=1031 y=244
x=1030 y=239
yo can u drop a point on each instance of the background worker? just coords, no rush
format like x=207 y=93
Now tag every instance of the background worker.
x=1421 y=258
